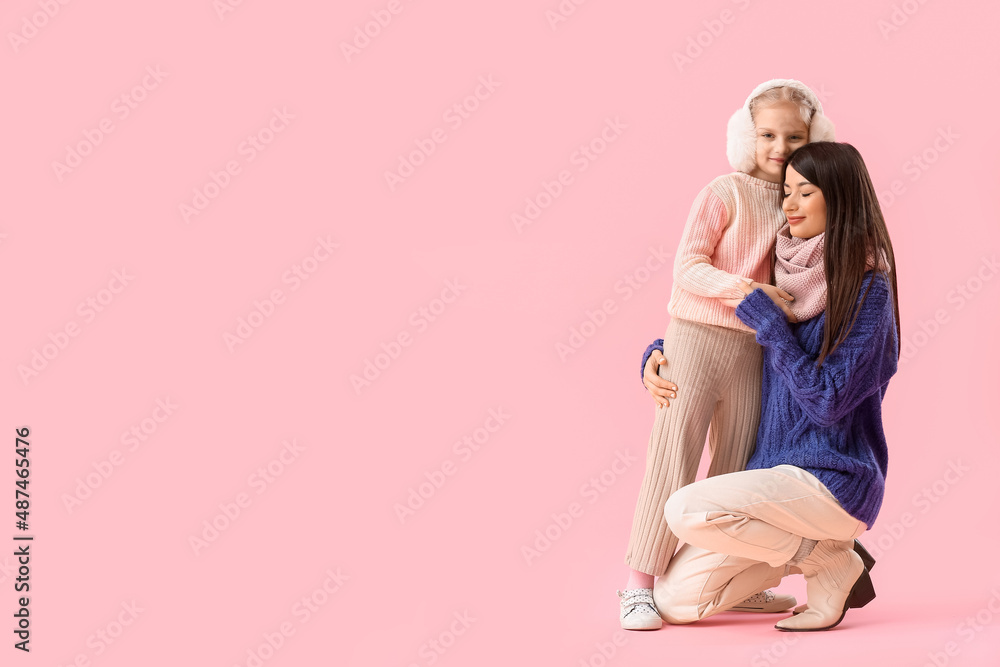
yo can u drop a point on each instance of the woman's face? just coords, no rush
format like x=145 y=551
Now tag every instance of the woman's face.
x=803 y=205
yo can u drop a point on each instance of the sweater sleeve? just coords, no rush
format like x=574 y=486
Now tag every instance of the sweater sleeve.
x=693 y=269
x=656 y=345
x=855 y=370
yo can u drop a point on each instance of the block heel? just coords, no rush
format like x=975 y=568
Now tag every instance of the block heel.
x=862 y=593
x=866 y=557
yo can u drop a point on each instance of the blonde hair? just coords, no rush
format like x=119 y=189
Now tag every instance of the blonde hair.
x=784 y=94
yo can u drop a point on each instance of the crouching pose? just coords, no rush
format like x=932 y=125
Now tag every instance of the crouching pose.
x=816 y=478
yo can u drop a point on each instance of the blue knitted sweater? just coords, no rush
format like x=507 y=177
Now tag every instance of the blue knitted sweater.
x=827 y=420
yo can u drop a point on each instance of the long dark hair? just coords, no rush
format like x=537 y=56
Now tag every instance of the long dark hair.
x=855 y=234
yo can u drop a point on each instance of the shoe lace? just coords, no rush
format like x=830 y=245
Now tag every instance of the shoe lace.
x=763 y=596
x=637 y=598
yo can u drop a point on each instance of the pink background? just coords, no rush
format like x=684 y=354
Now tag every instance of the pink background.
x=401 y=585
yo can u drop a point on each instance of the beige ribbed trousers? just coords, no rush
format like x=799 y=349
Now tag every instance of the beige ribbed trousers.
x=718 y=376
x=741 y=529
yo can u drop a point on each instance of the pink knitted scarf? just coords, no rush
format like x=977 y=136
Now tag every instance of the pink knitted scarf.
x=799 y=271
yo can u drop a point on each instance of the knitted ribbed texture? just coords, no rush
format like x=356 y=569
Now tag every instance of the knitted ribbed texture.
x=827 y=420
x=718 y=373
x=806 y=547
x=727 y=237
x=800 y=272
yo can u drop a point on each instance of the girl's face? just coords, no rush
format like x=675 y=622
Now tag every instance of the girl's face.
x=804 y=206
x=780 y=130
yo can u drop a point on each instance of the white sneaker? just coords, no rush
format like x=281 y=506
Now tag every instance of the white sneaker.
x=638 y=611
x=766 y=602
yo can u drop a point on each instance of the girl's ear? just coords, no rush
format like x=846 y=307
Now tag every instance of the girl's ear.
x=821 y=128
x=741 y=141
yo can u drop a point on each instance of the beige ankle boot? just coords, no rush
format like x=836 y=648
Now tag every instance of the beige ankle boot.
x=836 y=580
x=866 y=558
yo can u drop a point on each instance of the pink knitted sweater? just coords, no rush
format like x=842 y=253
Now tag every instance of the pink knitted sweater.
x=727 y=238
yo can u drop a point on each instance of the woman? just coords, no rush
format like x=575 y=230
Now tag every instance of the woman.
x=816 y=479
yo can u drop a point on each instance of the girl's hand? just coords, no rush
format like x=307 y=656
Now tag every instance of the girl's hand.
x=659 y=388
x=779 y=296
x=732 y=303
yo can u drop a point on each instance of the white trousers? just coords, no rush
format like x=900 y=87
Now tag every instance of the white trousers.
x=740 y=529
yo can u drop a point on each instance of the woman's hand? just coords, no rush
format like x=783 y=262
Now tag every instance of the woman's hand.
x=779 y=296
x=659 y=388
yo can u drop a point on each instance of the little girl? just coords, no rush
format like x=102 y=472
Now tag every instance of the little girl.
x=726 y=243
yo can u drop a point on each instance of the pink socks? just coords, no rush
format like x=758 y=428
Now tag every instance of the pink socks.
x=638 y=579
